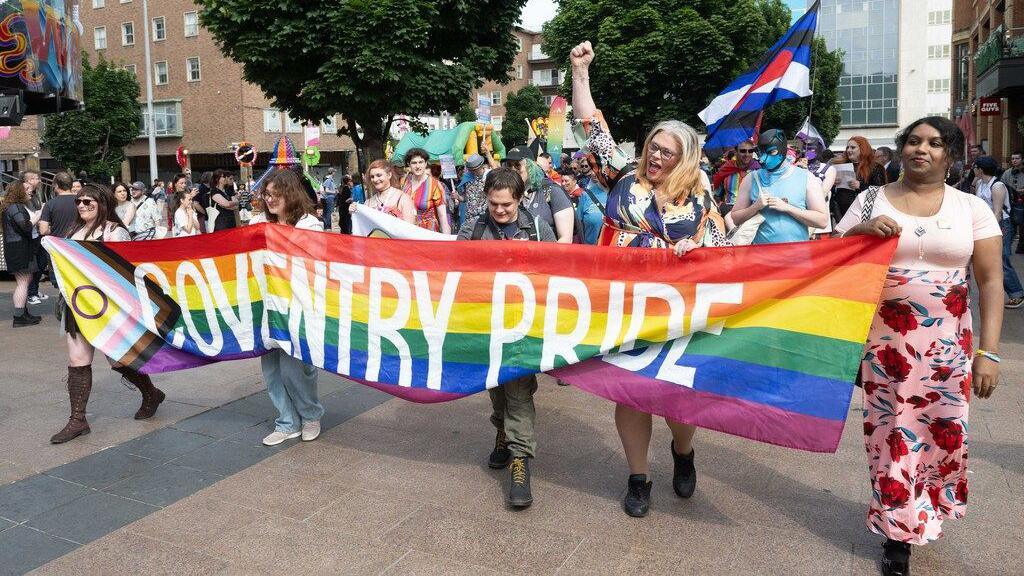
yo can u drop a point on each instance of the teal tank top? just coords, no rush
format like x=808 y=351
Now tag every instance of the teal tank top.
x=790 y=184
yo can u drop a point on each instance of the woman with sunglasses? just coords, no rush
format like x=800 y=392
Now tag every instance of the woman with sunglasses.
x=97 y=221
x=665 y=203
x=291 y=383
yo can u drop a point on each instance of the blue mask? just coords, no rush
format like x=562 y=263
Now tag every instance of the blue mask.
x=772 y=162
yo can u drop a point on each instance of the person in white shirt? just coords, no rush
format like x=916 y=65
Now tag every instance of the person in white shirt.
x=186 y=220
x=147 y=214
x=291 y=383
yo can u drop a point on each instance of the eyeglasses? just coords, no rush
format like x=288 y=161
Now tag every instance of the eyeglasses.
x=84 y=201
x=746 y=151
x=666 y=154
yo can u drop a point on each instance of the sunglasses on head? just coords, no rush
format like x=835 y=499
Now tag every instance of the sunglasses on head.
x=84 y=201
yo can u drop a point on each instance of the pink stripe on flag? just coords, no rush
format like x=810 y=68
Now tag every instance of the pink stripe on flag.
x=706 y=410
x=419 y=395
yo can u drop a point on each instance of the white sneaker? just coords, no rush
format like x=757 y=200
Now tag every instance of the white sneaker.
x=42 y=296
x=310 y=431
x=276 y=437
x=35 y=301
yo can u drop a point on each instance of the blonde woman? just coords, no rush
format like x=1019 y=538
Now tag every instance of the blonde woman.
x=664 y=203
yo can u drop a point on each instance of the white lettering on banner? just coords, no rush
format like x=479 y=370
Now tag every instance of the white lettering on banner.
x=273 y=302
x=148 y=307
x=188 y=269
x=240 y=324
x=379 y=328
x=613 y=326
x=643 y=291
x=669 y=370
x=564 y=345
x=500 y=335
x=348 y=275
x=435 y=324
x=307 y=306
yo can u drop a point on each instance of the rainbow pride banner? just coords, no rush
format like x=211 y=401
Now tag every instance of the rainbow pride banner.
x=762 y=342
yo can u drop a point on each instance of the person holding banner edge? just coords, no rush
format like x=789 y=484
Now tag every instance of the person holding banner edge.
x=665 y=202
x=920 y=363
x=291 y=383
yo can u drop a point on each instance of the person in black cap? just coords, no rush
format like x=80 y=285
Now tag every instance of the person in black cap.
x=787 y=196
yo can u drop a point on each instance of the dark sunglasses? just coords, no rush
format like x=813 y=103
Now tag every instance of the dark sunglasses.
x=746 y=151
x=84 y=201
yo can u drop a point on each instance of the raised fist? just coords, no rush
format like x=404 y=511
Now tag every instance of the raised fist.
x=582 y=55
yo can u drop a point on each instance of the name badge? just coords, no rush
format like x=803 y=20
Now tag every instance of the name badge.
x=943 y=225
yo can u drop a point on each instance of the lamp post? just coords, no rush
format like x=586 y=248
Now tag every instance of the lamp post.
x=151 y=125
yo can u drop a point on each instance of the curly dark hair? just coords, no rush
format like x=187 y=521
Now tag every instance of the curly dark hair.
x=952 y=136
x=413 y=153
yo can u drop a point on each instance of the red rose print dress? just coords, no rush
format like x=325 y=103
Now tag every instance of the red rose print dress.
x=917 y=382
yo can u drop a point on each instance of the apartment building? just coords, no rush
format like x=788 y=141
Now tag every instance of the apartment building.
x=530 y=66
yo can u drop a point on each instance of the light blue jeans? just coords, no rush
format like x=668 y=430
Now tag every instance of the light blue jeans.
x=291 y=384
x=1011 y=282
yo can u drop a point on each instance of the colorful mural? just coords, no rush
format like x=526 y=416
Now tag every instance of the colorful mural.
x=40 y=53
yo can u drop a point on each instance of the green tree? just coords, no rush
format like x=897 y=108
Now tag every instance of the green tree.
x=366 y=59
x=521 y=106
x=465 y=114
x=826 y=114
x=659 y=59
x=93 y=139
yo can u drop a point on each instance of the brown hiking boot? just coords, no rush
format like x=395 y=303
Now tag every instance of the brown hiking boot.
x=151 y=395
x=79 y=387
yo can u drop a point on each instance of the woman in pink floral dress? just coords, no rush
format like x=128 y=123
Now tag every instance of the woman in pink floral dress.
x=920 y=363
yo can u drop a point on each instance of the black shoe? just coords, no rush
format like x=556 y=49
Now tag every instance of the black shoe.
x=684 y=475
x=638 y=496
x=895 y=558
x=33 y=316
x=26 y=320
x=501 y=455
x=519 y=495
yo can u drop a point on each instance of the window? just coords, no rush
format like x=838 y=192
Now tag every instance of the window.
x=128 y=34
x=192 y=69
x=160 y=71
x=130 y=68
x=329 y=127
x=519 y=44
x=167 y=119
x=496 y=122
x=191 y=24
x=940 y=17
x=99 y=37
x=159 y=29
x=271 y=120
x=519 y=72
x=548 y=100
x=125 y=1
x=938 y=86
x=546 y=77
x=496 y=98
x=292 y=126
x=99 y=3
x=939 y=52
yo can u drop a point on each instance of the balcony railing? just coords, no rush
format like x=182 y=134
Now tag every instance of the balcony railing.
x=999 y=45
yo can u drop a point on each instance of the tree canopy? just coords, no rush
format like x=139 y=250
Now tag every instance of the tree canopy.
x=521 y=106
x=366 y=59
x=93 y=139
x=660 y=59
x=826 y=112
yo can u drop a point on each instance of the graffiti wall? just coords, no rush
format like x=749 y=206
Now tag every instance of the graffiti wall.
x=40 y=53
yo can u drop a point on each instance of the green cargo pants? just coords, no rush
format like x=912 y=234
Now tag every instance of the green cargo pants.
x=512 y=403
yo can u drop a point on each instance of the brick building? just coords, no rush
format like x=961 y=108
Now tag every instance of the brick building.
x=200 y=99
x=530 y=66
x=987 y=61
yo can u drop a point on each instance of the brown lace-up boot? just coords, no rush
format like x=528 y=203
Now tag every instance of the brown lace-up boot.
x=151 y=395
x=79 y=387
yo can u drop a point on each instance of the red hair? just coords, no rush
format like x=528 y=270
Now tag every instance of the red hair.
x=866 y=160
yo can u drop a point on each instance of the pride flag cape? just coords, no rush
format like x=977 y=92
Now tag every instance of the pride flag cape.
x=763 y=342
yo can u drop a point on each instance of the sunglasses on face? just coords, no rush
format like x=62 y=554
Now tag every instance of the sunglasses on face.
x=84 y=202
x=746 y=151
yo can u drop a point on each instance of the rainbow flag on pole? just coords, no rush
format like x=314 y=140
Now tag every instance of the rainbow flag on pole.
x=763 y=342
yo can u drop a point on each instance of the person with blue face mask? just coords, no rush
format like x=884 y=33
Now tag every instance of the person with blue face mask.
x=788 y=198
